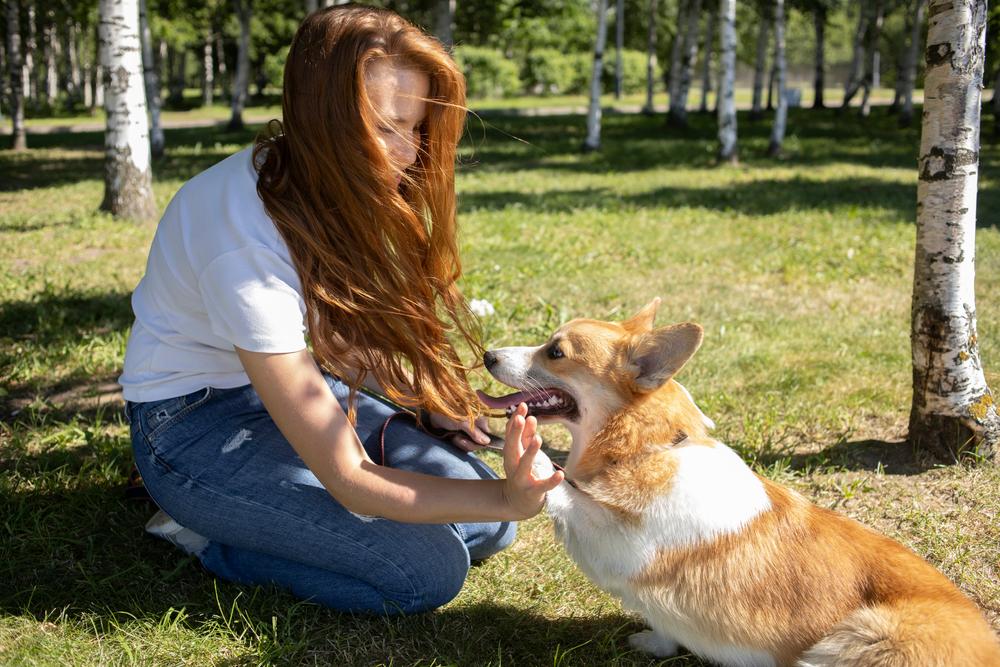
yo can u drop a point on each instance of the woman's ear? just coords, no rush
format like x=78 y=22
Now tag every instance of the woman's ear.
x=657 y=356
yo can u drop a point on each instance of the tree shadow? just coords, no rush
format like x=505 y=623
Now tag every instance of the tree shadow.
x=891 y=457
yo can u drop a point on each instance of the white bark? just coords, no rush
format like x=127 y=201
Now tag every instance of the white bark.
x=763 y=33
x=444 y=20
x=151 y=83
x=15 y=73
x=207 y=73
x=872 y=58
x=99 y=84
x=650 y=58
x=29 y=87
x=593 y=140
x=51 y=50
x=619 y=47
x=727 y=77
x=241 y=82
x=781 y=114
x=678 y=105
x=72 y=52
x=909 y=69
x=128 y=188
x=951 y=400
x=856 y=75
x=706 y=63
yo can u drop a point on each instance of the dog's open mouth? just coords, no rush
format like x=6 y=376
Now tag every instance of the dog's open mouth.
x=541 y=402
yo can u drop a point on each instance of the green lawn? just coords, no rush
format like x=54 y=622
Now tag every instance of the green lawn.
x=799 y=269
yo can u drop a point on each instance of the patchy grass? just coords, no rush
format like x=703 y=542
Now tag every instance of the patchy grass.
x=799 y=269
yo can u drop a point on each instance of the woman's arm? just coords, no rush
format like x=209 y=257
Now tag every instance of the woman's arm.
x=307 y=413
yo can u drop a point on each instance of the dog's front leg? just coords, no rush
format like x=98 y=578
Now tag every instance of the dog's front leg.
x=654 y=643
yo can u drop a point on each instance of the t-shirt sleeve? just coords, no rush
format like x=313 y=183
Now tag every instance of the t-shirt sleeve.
x=253 y=300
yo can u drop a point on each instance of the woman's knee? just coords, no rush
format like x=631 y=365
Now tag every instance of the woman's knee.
x=434 y=580
x=486 y=539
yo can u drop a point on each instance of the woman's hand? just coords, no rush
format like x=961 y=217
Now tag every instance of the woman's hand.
x=523 y=491
x=469 y=439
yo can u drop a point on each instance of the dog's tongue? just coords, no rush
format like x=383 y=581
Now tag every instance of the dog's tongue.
x=503 y=402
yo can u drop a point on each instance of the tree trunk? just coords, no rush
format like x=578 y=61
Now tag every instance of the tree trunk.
x=128 y=191
x=763 y=28
x=909 y=69
x=872 y=58
x=727 y=78
x=706 y=65
x=207 y=73
x=780 y=118
x=650 y=59
x=678 y=107
x=243 y=10
x=856 y=75
x=676 y=50
x=73 y=55
x=819 y=82
x=953 y=410
x=619 y=47
x=151 y=83
x=88 y=87
x=51 y=50
x=29 y=84
x=18 y=139
x=220 y=63
x=443 y=20
x=593 y=140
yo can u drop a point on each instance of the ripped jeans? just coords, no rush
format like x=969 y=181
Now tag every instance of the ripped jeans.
x=217 y=464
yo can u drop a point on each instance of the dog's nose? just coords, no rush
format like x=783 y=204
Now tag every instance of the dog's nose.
x=490 y=359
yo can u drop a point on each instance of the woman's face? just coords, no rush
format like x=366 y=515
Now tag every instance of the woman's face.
x=397 y=95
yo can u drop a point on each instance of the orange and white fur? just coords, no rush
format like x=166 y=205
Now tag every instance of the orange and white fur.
x=732 y=566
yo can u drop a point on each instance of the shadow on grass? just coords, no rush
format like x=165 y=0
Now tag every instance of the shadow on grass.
x=892 y=457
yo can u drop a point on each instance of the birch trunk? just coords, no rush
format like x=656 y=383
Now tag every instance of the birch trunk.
x=819 y=81
x=128 y=191
x=443 y=22
x=51 y=73
x=650 y=59
x=29 y=83
x=676 y=49
x=706 y=65
x=619 y=47
x=763 y=28
x=909 y=69
x=781 y=116
x=953 y=410
x=99 y=83
x=73 y=55
x=151 y=82
x=872 y=58
x=242 y=81
x=678 y=107
x=727 y=78
x=855 y=77
x=207 y=73
x=18 y=139
x=88 y=87
x=593 y=140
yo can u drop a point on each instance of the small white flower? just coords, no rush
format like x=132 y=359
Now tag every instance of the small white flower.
x=482 y=307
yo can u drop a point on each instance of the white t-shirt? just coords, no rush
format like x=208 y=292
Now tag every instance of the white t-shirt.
x=219 y=275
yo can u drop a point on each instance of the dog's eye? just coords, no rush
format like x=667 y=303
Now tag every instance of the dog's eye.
x=555 y=352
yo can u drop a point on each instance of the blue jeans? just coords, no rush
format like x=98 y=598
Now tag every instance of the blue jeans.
x=217 y=464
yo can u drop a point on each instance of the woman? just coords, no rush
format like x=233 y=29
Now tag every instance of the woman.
x=339 y=225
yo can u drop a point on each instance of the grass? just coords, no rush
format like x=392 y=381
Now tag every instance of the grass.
x=799 y=269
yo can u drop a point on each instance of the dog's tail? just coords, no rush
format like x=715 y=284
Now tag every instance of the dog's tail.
x=913 y=632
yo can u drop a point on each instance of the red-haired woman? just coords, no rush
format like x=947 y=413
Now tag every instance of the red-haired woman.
x=339 y=225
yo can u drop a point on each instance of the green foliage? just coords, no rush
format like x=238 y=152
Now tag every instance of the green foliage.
x=552 y=72
x=488 y=73
x=633 y=71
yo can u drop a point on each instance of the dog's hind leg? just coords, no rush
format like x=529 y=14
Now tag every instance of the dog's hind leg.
x=654 y=643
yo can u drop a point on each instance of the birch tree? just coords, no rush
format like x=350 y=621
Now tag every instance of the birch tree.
x=29 y=86
x=151 y=82
x=871 y=78
x=207 y=72
x=128 y=191
x=650 y=58
x=51 y=50
x=819 y=59
x=781 y=115
x=856 y=76
x=706 y=63
x=678 y=106
x=763 y=34
x=726 y=105
x=593 y=140
x=908 y=71
x=19 y=141
x=619 y=47
x=676 y=49
x=241 y=82
x=953 y=410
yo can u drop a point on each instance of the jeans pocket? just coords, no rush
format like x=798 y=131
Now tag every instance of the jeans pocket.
x=161 y=415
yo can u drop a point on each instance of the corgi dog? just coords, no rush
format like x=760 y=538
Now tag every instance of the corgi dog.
x=736 y=568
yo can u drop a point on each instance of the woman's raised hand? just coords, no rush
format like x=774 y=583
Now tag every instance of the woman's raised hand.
x=523 y=490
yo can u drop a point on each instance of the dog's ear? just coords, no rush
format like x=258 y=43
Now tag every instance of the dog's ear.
x=655 y=357
x=642 y=322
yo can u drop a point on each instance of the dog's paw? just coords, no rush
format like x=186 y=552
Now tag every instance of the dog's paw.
x=541 y=467
x=648 y=641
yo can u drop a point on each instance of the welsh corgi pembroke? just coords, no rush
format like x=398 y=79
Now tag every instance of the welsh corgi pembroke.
x=732 y=566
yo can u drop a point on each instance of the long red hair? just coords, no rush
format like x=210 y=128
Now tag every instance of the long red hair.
x=378 y=264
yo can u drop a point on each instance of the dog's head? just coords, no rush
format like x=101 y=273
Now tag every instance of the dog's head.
x=589 y=370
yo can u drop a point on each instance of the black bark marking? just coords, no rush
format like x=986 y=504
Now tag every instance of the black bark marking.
x=940 y=164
